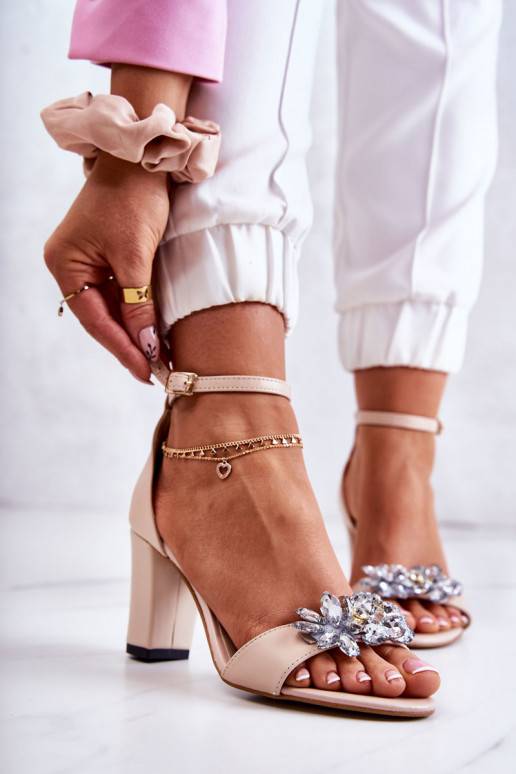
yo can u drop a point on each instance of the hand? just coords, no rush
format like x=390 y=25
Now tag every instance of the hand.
x=113 y=228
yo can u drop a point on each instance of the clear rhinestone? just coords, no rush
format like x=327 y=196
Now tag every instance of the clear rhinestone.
x=348 y=645
x=331 y=608
x=309 y=628
x=308 y=615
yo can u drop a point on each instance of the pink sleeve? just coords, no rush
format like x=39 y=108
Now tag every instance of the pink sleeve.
x=186 y=36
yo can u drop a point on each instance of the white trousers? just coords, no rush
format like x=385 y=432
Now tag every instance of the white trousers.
x=417 y=149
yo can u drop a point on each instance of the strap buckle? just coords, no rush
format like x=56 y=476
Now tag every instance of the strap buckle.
x=186 y=388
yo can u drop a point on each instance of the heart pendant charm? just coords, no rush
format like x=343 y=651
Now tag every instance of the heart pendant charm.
x=224 y=469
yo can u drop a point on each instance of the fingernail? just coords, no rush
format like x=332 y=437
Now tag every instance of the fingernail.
x=363 y=677
x=139 y=379
x=414 y=665
x=443 y=623
x=302 y=674
x=426 y=619
x=392 y=674
x=149 y=343
x=332 y=677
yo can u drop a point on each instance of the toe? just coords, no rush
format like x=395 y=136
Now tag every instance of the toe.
x=455 y=617
x=440 y=613
x=425 y=621
x=353 y=677
x=421 y=679
x=324 y=672
x=300 y=677
x=386 y=680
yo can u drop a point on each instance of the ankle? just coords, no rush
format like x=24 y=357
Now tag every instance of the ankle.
x=391 y=451
x=215 y=417
x=389 y=471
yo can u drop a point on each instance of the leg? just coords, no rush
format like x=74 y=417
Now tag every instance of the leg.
x=388 y=482
x=418 y=140
x=260 y=547
x=255 y=545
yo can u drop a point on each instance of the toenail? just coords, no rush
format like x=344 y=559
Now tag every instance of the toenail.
x=414 y=666
x=332 y=677
x=391 y=675
x=464 y=619
x=455 y=619
x=443 y=622
x=363 y=677
x=302 y=674
x=426 y=619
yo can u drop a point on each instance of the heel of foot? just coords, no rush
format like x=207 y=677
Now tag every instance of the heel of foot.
x=150 y=655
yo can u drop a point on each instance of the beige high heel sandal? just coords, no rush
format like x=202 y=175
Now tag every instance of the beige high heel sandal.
x=164 y=602
x=395 y=581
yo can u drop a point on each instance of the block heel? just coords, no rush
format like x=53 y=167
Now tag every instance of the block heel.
x=162 y=612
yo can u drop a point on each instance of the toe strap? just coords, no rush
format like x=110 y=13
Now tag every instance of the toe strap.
x=264 y=663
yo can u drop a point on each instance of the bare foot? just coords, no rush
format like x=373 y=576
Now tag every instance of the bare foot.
x=387 y=490
x=255 y=545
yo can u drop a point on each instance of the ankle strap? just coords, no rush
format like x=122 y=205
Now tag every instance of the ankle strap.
x=405 y=421
x=186 y=383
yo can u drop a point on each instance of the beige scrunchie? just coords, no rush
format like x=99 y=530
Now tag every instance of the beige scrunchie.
x=84 y=124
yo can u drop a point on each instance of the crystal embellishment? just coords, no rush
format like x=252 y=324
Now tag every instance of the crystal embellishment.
x=421 y=582
x=344 y=622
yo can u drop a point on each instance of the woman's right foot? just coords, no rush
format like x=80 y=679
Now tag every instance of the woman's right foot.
x=255 y=545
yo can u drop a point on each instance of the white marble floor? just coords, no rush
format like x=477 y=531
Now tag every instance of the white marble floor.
x=73 y=702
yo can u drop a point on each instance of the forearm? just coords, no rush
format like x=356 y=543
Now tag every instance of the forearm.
x=144 y=87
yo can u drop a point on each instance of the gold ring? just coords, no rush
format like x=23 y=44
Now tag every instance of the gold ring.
x=137 y=295
x=69 y=296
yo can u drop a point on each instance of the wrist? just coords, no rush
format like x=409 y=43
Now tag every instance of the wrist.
x=116 y=169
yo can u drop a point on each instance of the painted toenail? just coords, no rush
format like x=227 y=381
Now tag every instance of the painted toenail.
x=426 y=619
x=443 y=622
x=414 y=666
x=455 y=619
x=363 y=677
x=332 y=677
x=302 y=674
x=391 y=675
x=464 y=619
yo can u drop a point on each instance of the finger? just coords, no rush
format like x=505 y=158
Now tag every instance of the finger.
x=139 y=320
x=92 y=310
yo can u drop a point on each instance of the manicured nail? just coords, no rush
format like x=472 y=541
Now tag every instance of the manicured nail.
x=464 y=619
x=139 y=379
x=149 y=343
x=302 y=674
x=414 y=665
x=363 y=677
x=332 y=677
x=443 y=623
x=455 y=619
x=392 y=674
x=426 y=619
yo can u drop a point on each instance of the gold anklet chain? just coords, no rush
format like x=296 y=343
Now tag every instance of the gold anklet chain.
x=222 y=453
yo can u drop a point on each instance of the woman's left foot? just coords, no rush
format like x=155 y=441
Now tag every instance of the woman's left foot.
x=387 y=491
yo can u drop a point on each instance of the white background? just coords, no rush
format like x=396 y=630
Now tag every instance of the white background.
x=76 y=427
